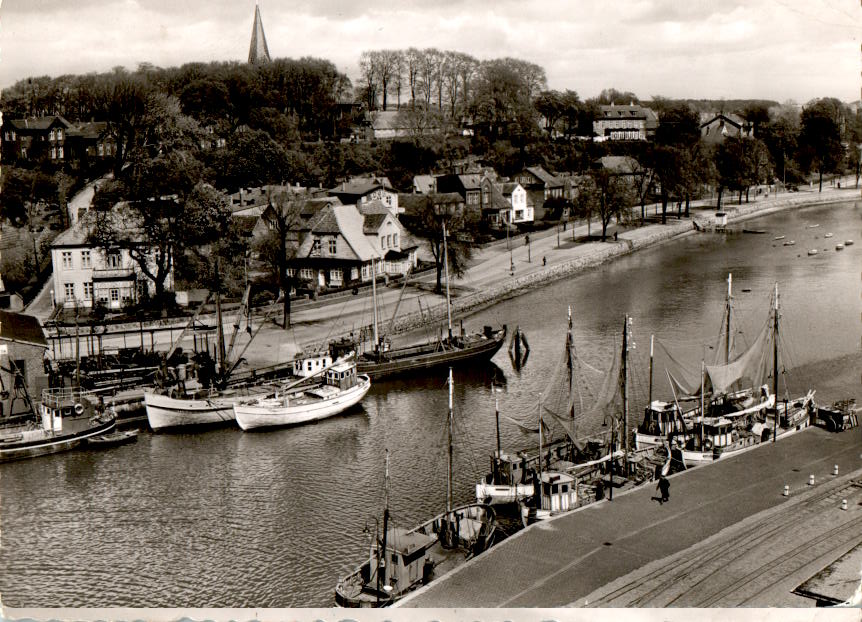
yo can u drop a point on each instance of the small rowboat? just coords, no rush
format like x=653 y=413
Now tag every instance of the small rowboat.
x=116 y=437
x=839 y=247
x=828 y=235
x=813 y=251
x=790 y=243
x=778 y=237
x=757 y=231
x=813 y=226
x=848 y=242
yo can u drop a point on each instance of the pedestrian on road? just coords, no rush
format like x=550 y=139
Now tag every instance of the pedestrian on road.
x=544 y=261
x=663 y=487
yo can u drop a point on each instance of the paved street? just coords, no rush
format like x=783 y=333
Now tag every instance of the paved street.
x=563 y=561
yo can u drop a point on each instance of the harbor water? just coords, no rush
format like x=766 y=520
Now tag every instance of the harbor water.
x=223 y=518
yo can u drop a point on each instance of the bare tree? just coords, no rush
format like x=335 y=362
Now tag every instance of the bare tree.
x=413 y=59
x=368 y=69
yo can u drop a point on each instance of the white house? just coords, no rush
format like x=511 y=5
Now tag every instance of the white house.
x=516 y=195
x=84 y=272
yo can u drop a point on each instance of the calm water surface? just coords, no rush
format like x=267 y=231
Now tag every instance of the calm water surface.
x=272 y=519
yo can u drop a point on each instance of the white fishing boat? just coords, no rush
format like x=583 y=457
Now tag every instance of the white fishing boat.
x=812 y=251
x=828 y=235
x=848 y=242
x=401 y=560
x=340 y=389
x=839 y=247
x=67 y=418
x=790 y=243
x=779 y=237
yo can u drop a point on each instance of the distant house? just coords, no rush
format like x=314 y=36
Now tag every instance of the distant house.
x=341 y=244
x=363 y=190
x=504 y=203
x=468 y=186
x=90 y=141
x=618 y=165
x=540 y=186
x=22 y=368
x=424 y=184
x=621 y=122
x=85 y=274
x=714 y=128
x=35 y=138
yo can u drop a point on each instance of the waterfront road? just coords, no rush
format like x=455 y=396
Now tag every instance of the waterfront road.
x=562 y=561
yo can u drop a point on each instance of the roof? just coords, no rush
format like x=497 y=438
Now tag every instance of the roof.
x=632 y=111
x=543 y=175
x=374 y=207
x=706 y=118
x=351 y=225
x=77 y=234
x=405 y=542
x=386 y=120
x=91 y=129
x=372 y=222
x=496 y=199
x=21 y=329
x=360 y=187
x=258 y=51
x=424 y=183
x=618 y=164
x=38 y=123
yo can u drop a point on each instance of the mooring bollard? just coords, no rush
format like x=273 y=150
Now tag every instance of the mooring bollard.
x=835 y=470
x=843 y=504
x=810 y=480
x=786 y=491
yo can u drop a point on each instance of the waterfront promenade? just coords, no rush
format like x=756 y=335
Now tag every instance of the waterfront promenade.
x=585 y=558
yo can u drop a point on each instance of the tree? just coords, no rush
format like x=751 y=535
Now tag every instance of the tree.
x=613 y=196
x=585 y=204
x=284 y=239
x=432 y=213
x=250 y=159
x=613 y=96
x=677 y=135
x=820 y=139
x=24 y=197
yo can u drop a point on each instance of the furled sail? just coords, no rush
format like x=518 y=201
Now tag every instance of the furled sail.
x=750 y=366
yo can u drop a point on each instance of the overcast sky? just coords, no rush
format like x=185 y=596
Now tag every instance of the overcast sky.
x=772 y=49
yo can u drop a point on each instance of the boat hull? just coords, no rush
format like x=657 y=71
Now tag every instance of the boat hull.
x=165 y=412
x=32 y=448
x=251 y=416
x=416 y=360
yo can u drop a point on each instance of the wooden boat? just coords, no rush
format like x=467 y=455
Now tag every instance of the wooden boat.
x=401 y=560
x=383 y=360
x=848 y=242
x=117 y=437
x=757 y=231
x=839 y=247
x=813 y=226
x=728 y=420
x=828 y=235
x=340 y=389
x=812 y=251
x=779 y=237
x=67 y=418
x=790 y=243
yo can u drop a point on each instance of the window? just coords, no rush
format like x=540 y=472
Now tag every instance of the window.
x=335 y=275
x=101 y=149
x=53 y=153
x=53 y=135
x=389 y=240
x=67 y=260
x=394 y=239
x=86 y=261
x=115 y=295
x=59 y=133
x=333 y=246
x=113 y=261
x=291 y=272
x=88 y=291
x=69 y=291
x=382 y=241
x=306 y=273
x=315 y=247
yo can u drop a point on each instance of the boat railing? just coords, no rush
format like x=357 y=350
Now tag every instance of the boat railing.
x=58 y=397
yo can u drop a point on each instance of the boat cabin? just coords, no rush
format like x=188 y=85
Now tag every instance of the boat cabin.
x=306 y=366
x=718 y=432
x=508 y=469
x=407 y=561
x=341 y=375
x=559 y=492
x=661 y=419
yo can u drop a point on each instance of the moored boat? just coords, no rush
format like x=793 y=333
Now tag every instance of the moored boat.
x=66 y=419
x=848 y=242
x=790 y=243
x=839 y=247
x=812 y=251
x=341 y=389
x=401 y=560
x=112 y=439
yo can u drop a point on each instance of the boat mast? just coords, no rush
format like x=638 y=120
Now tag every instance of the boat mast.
x=541 y=456
x=499 y=449
x=446 y=267
x=624 y=374
x=374 y=301
x=727 y=327
x=382 y=562
x=449 y=462
x=775 y=363
x=651 y=344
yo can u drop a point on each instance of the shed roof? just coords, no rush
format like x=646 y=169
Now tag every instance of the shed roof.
x=21 y=328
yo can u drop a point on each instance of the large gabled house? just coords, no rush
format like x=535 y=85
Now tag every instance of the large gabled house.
x=469 y=186
x=625 y=122
x=540 y=185
x=22 y=367
x=90 y=140
x=504 y=203
x=340 y=245
x=35 y=139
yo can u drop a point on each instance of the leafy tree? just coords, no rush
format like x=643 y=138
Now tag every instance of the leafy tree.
x=613 y=96
x=820 y=139
x=613 y=196
x=250 y=159
x=677 y=135
x=427 y=222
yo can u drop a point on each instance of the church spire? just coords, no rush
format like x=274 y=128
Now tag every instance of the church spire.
x=257 y=51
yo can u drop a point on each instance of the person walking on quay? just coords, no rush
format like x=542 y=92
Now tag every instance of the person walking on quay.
x=664 y=488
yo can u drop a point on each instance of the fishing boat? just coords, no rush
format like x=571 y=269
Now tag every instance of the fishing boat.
x=383 y=360
x=848 y=242
x=814 y=226
x=828 y=235
x=66 y=419
x=727 y=419
x=812 y=251
x=112 y=439
x=790 y=243
x=779 y=237
x=839 y=247
x=403 y=560
x=340 y=389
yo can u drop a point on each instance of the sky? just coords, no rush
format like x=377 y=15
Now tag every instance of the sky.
x=769 y=49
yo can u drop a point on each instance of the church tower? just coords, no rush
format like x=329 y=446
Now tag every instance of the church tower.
x=257 y=51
